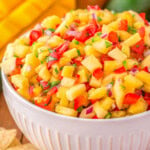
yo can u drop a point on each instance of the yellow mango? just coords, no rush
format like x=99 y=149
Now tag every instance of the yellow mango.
x=143 y=76
x=37 y=90
x=89 y=50
x=67 y=71
x=118 y=114
x=83 y=76
x=146 y=61
x=95 y=82
x=131 y=63
x=147 y=37
x=24 y=92
x=28 y=71
x=123 y=35
x=126 y=50
x=44 y=74
x=71 y=53
x=63 y=61
x=67 y=82
x=146 y=88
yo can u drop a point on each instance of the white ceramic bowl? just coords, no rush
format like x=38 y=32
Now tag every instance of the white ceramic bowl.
x=50 y=131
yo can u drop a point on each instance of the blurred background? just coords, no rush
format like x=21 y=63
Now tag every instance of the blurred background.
x=17 y=16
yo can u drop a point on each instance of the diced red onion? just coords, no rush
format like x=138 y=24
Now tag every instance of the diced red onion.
x=133 y=71
x=38 y=27
x=93 y=16
x=109 y=86
x=109 y=93
x=146 y=53
x=48 y=32
x=89 y=110
x=104 y=35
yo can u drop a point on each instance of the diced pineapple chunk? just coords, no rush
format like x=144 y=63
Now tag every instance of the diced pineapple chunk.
x=32 y=60
x=131 y=63
x=21 y=50
x=147 y=37
x=95 y=82
x=27 y=71
x=117 y=54
x=110 y=66
x=67 y=71
x=55 y=70
x=20 y=81
x=118 y=93
x=140 y=106
x=126 y=50
x=9 y=65
x=102 y=46
x=107 y=103
x=143 y=76
x=23 y=91
x=51 y=22
x=109 y=78
x=91 y=63
x=97 y=93
x=62 y=92
x=66 y=111
x=132 y=40
x=147 y=88
x=67 y=82
x=44 y=74
x=83 y=76
x=89 y=50
x=138 y=24
x=132 y=82
x=75 y=91
x=64 y=61
x=71 y=53
x=123 y=35
x=118 y=114
x=100 y=111
x=146 y=61
x=37 y=90
x=42 y=55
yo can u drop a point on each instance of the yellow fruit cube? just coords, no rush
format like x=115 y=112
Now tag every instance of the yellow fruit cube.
x=28 y=71
x=91 y=63
x=67 y=82
x=89 y=50
x=147 y=88
x=108 y=79
x=66 y=111
x=83 y=76
x=75 y=91
x=63 y=61
x=55 y=70
x=51 y=22
x=138 y=24
x=95 y=82
x=97 y=93
x=118 y=114
x=43 y=55
x=146 y=61
x=117 y=54
x=143 y=76
x=102 y=46
x=140 y=106
x=44 y=74
x=71 y=53
x=118 y=92
x=64 y=102
x=123 y=35
x=132 y=40
x=67 y=71
x=147 y=37
x=131 y=63
x=20 y=81
x=37 y=90
x=24 y=92
x=126 y=50
x=100 y=111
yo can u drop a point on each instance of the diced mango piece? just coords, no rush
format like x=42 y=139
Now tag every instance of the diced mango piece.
x=67 y=82
x=83 y=76
x=75 y=91
x=118 y=114
x=102 y=46
x=147 y=37
x=95 y=82
x=20 y=81
x=44 y=74
x=117 y=54
x=24 y=92
x=66 y=111
x=27 y=70
x=91 y=63
x=67 y=71
x=123 y=35
x=89 y=50
x=37 y=90
x=146 y=61
x=132 y=40
x=97 y=93
x=143 y=76
x=71 y=53
x=131 y=63
x=64 y=61
x=139 y=107
x=126 y=50
x=146 y=88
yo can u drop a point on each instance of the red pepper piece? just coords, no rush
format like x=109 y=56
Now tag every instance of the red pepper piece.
x=141 y=31
x=95 y=117
x=123 y=25
x=19 y=61
x=38 y=78
x=113 y=37
x=143 y=16
x=137 y=55
x=139 y=47
x=104 y=58
x=93 y=100
x=79 y=101
x=147 y=98
x=120 y=70
x=43 y=103
x=50 y=63
x=146 y=69
x=31 y=93
x=70 y=35
x=88 y=87
x=44 y=85
x=96 y=7
x=131 y=98
x=98 y=73
x=52 y=91
x=34 y=35
x=77 y=78
x=16 y=71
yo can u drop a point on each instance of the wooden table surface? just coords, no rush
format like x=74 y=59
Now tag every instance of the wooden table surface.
x=7 y=121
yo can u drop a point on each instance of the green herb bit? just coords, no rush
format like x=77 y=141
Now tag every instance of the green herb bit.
x=78 y=51
x=123 y=87
x=74 y=65
x=36 y=53
x=80 y=109
x=50 y=50
x=66 y=26
x=93 y=40
x=16 y=56
x=99 y=33
x=108 y=115
x=133 y=15
x=50 y=58
x=54 y=83
x=61 y=68
x=112 y=82
x=76 y=42
x=42 y=31
x=45 y=91
x=125 y=64
x=137 y=46
x=51 y=29
x=108 y=44
x=99 y=19
x=131 y=30
x=42 y=61
x=56 y=70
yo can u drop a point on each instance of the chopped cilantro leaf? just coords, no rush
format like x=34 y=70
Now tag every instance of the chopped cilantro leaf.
x=76 y=42
x=125 y=64
x=50 y=58
x=66 y=26
x=93 y=40
x=123 y=87
x=137 y=46
x=99 y=33
x=112 y=82
x=56 y=70
x=80 y=109
x=108 y=115
x=78 y=51
x=51 y=29
x=131 y=30
x=99 y=19
x=74 y=65
x=54 y=83
x=108 y=44
x=36 y=54
x=61 y=67
x=16 y=56
x=50 y=50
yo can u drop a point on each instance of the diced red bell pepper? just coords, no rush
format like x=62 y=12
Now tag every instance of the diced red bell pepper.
x=79 y=101
x=139 y=47
x=147 y=98
x=96 y=7
x=34 y=35
x=98 y=73
x=93 y=100
x=131 y=98
x=95 y=117
x=123 y=25
x=113 y=37
x=31 y=93
x=77 y=78
x=77 y=61
x=17 y=70
x=70 y=35
x=143 y=16
x=38 y=78
x=141 y=31
x=146 y=69
x=44 y=85
x=88 y=87
x=43 y=103
x=50 y=63
x=52 y=91
x=55 y=55
x=120 y=70
x=137 y=55
x=104 y=58
x=19 y=61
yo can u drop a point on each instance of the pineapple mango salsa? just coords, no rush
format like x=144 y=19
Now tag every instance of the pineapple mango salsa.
x=92 y=63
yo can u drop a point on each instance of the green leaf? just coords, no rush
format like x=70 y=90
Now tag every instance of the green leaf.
x=112 y=83
x=50 y=58
x=80 y=109
x=76 y=42
x=51 y=29
x=123 y=87
x=125 y=64
x=78 y=51
x=99 y=33
x=108 y=44
x=131 y=30
x=108 y=115
x=54 y=83
x=16 y=56
x=50 y=50
x=36 y=53
x=56 y=70
x=99 y=19
x=74 y=65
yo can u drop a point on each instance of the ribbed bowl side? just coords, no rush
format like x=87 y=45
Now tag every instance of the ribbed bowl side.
x=52 y=132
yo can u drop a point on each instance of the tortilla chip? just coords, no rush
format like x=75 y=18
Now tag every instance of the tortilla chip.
x=23 y=147
x=6 y=138
x=15 y=142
